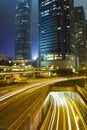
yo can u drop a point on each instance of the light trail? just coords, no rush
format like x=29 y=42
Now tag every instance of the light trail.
x=65 y=105
x=80 y=116
x=62 y=103
x=16 y=92
x=67 y=110
x=57 y=125
x=73 y=113
x=52 y=117
x=45 y=122
x=38 y=85
x=59 y=102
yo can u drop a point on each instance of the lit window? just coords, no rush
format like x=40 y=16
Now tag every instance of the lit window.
x=59 y=28
x=27 y=5
x=68 y=26
x=67 y=7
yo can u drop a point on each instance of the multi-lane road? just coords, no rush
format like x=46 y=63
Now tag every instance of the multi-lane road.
x=63 y=114
x=16 y=102
x=19 y=103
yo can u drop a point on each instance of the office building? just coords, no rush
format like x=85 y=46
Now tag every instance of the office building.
x=5 y=60
x=56 y=33
x=23 y=30
x=86 y=40
x=80 y=34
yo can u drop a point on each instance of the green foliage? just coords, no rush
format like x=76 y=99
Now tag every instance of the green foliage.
x=80 y=82
x=64 y=72
x=82 y=72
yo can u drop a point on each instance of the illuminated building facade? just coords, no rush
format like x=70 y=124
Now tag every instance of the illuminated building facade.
x=56 y=31
x=86 y=41
x=80 y=34
x=23 y=30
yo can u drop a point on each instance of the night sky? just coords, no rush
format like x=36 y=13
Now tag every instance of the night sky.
x=7 y=13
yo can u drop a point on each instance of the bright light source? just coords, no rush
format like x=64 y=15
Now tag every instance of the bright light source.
x=4 y=69
x=34 y=58
x=9 y=61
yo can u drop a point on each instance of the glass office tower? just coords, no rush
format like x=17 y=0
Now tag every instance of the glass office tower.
x=56 y=30
x=80 y=34
x=86 y=42
x=23 y=30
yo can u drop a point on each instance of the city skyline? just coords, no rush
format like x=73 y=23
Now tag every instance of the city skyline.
x=7 y=26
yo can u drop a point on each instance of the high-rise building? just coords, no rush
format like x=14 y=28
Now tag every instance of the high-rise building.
x=23 y=30
x=56 y=33
x=86 y=41
x=80 y=34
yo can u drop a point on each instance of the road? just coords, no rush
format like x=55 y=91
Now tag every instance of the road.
x=8 y=92
x=63 y=114
x=19 y=103
x=16 y=101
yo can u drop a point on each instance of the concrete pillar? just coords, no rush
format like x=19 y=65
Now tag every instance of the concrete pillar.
x=5 y=78
x=33 y=75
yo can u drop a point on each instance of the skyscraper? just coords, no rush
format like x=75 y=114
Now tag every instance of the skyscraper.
x=80 y=34
x=23 y=30
x=86 y=41
x=56 y=32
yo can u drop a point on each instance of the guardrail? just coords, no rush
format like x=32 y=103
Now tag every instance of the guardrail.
x=82 y=93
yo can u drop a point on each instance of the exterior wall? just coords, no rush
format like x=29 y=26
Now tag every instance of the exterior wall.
x=23 y=30
x=86 y=43
x=56 y=30
x=5 y=60
x=58 y=64
x=80 y=34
